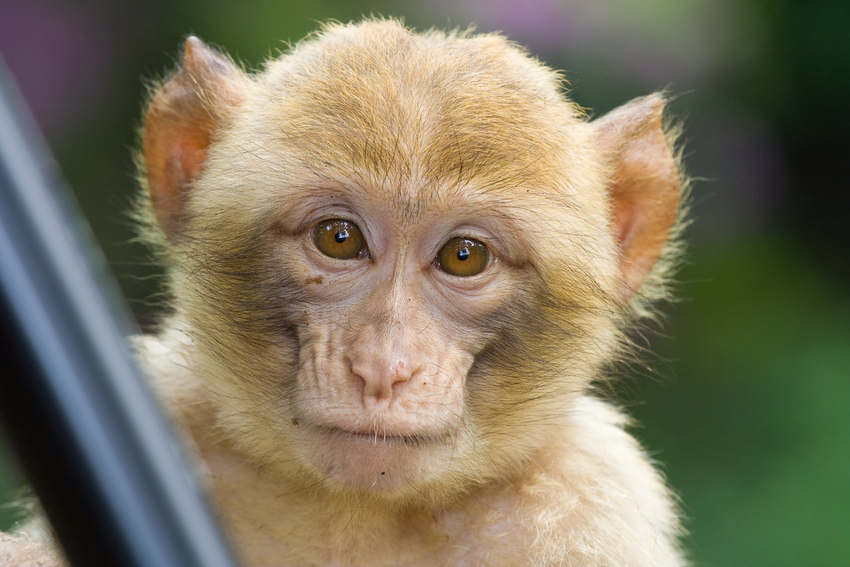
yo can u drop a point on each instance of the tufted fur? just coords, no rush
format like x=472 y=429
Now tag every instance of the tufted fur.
x=517 y=463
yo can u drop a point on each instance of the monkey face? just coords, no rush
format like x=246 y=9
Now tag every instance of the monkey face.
x=400 y=277
x=378 y=328
x=388 y=334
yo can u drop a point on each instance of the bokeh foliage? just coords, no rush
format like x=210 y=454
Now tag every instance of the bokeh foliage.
x=747 y=401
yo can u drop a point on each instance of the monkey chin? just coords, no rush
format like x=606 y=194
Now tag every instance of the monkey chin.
x=390 y=467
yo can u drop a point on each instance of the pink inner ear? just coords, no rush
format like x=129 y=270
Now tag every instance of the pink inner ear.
x=191 y=156
x=181 y=122
x=175 y=152
x=644 y=189
x=644 y=213
x=624 y=222
x=641 y=238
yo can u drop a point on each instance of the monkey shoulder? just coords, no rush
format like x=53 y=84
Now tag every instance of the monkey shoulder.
x=590 y=496
x=165 y=360
x=594 y=496
x=24 y=550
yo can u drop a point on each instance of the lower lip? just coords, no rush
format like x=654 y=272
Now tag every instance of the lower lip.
x=375 y=462
x=378 y=438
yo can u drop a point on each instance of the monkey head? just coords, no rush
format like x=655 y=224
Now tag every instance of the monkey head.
x=400 y=258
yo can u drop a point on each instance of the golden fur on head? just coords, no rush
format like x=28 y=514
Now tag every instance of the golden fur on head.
x=414 y=118
x=435 y=135
x=382 y=408
x=419 y=91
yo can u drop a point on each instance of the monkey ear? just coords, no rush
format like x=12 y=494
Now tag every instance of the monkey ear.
x=644 y=186
x=181 y=121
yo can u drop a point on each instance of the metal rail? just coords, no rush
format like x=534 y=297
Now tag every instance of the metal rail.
x=107 y=469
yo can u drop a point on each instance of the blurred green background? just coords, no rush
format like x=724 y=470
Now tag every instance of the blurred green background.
x=747 y=399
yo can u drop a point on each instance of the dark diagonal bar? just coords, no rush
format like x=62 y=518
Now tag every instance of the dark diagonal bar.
x=115 y=485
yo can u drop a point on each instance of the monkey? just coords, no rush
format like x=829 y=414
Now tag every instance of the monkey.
x=399 y=266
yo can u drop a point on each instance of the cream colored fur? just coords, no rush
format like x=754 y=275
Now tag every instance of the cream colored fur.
x=420 y=128
x=590 y=497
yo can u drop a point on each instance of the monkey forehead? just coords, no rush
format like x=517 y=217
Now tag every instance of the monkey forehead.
x=377 y=100
x=422 y=121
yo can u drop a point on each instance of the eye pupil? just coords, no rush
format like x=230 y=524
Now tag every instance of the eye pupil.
x=463 y=257
x=339 y=238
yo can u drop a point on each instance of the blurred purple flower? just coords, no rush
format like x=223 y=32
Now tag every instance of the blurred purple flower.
x=58 y=54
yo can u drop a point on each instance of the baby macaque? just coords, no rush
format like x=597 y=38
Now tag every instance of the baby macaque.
x=398 y=264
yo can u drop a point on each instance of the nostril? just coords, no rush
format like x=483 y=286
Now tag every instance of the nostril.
x=399 y=371
x=359 y=372
x=375 y=387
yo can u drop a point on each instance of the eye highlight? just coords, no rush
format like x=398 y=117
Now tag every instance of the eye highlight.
x=339 y=238
x=463 y=257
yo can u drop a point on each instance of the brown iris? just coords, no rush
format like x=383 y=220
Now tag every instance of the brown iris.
x=463 y=257
x=339 y=238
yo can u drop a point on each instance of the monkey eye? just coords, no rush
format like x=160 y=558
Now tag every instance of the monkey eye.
x=340 y=239
x=463 y=257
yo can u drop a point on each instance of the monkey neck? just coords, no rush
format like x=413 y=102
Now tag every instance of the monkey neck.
x=273 y=521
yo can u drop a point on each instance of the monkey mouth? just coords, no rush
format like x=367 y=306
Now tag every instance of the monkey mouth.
x=376 y=437
x=374 y=459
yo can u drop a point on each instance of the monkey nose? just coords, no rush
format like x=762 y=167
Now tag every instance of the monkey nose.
x=381 y=378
